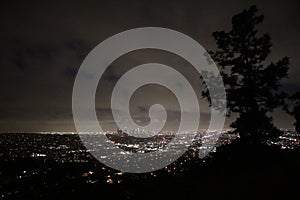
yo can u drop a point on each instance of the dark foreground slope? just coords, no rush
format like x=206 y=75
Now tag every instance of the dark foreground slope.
x=235 y=172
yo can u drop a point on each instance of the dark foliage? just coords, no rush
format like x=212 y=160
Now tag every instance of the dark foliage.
x=251 y=85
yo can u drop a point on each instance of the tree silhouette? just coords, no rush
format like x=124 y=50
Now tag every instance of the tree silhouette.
x=292 y=107
x=251 y=85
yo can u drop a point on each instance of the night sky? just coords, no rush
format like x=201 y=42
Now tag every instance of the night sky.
x=43 y=45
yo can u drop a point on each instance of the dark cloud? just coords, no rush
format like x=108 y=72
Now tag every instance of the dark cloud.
x=290 y=88
x=142 y=109
x=44 y=43
x=28 y=57
x=70 y=72
x=79 y=47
